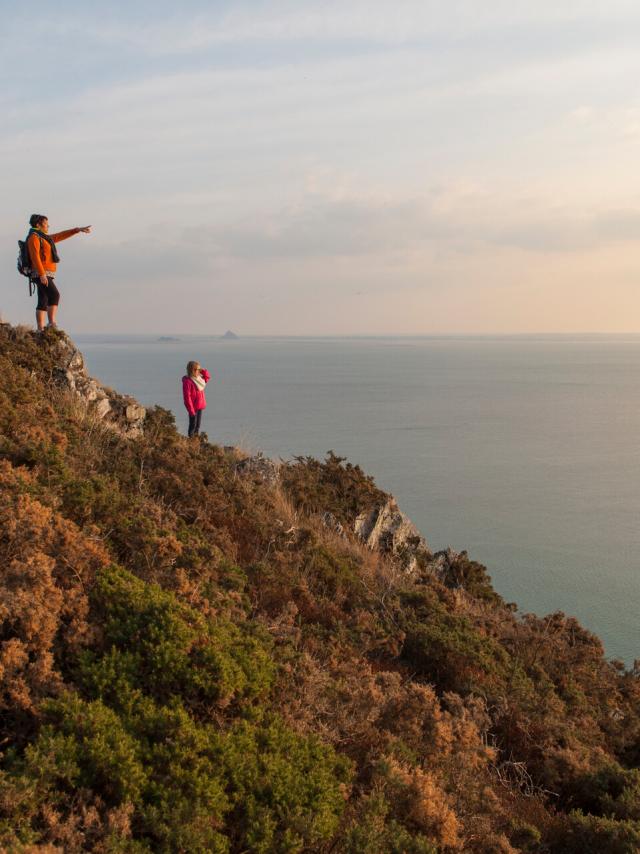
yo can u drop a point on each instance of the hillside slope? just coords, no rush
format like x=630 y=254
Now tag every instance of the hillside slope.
x=197 y=656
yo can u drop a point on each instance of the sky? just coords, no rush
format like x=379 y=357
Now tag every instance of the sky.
x=326 y=168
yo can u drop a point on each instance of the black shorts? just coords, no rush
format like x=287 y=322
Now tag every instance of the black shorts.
x=47 y=294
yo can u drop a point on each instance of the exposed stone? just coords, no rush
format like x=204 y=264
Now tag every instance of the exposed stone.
x=260 y=467
x=330 y=521
x=117 y=411
x=135 y=412
x=386 y=529
x=441 y=562
x=102 y=408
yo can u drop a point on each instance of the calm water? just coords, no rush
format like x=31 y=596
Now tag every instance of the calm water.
x=524 y=451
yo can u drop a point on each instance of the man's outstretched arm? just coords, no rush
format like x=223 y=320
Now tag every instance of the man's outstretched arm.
x=64 y=235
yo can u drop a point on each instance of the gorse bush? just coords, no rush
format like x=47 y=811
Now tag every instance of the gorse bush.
x=289 y=791
x=588 y=834
x=448 y=649
x=334 y=486
x=610 y=791
x=183 y=785
x=138 y=749
x=472 y=577
x=195 y=660
x=149 y=638
x=377 y=832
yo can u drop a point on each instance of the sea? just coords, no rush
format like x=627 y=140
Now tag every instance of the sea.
x=524 y=451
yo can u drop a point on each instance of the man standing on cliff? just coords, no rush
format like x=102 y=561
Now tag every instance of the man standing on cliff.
x=44 y=260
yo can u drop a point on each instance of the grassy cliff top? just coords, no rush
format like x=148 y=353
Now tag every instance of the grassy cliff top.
x=196 y=658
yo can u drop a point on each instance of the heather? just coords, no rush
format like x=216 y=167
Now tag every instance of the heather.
x=197 y=659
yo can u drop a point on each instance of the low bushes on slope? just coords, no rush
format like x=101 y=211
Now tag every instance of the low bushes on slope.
x=190 y=660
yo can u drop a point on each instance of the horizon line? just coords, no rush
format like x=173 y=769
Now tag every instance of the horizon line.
x=351 y=335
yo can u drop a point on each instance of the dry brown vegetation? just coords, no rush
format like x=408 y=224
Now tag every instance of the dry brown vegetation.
x=191 y=660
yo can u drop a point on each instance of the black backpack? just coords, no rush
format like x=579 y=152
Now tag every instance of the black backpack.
x=24 y=260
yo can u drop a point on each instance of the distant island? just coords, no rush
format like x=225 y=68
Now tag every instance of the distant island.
x=167 y=338
x=230 y=336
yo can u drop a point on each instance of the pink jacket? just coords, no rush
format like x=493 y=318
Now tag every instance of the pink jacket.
x=193 y=397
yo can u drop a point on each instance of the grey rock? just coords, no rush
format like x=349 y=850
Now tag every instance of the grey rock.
x=90 y=391
x=333 y=524
x=135 y=412
x=386 y=529
x=260 y=467
x=441 y=562
x=102 y=408
x=64 y=377
x=116 y=411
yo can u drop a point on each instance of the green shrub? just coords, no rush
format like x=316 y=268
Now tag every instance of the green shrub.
x=334 y=486
x=153 y=641
x=289 y=791
x=86 y=744
x=375 y=831
x=184 y=801
x=93 y=498
x=450 y=651
x=330 y=575
x=258 y=789
x=588 y=834
x=610 y=791
x=524 y=836
x=472 y=577
x=157 y=760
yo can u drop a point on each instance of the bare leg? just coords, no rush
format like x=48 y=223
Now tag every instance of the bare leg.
x=51 y=314
x=40 y=318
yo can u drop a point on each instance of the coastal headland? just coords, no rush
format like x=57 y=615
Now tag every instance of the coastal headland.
x=203 y=650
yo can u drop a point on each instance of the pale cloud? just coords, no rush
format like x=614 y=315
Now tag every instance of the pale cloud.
x=299 y=153
x=582 y=115
x=620 y=121
x=376 y=231
x=357 y=228
x=631 y=123
x=171 y=31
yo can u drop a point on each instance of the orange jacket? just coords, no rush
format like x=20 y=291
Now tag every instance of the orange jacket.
x=40 y=251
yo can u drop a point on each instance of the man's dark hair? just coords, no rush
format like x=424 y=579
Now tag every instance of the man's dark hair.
x=37 y=219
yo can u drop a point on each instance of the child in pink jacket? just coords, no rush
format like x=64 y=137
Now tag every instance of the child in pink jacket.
x=193 y=393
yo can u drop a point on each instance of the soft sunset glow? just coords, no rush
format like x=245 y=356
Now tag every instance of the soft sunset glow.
x=328 y=167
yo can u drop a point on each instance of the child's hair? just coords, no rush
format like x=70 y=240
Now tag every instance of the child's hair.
x=192 y=367
x=36 y=220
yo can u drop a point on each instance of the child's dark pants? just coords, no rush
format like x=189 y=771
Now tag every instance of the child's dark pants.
x=194 y=423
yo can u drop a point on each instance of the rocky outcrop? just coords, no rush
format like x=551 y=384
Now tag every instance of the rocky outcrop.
x=330 y=521
x=117 y=411
x=260 y=468
x=443 y=562
x=386 y=529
